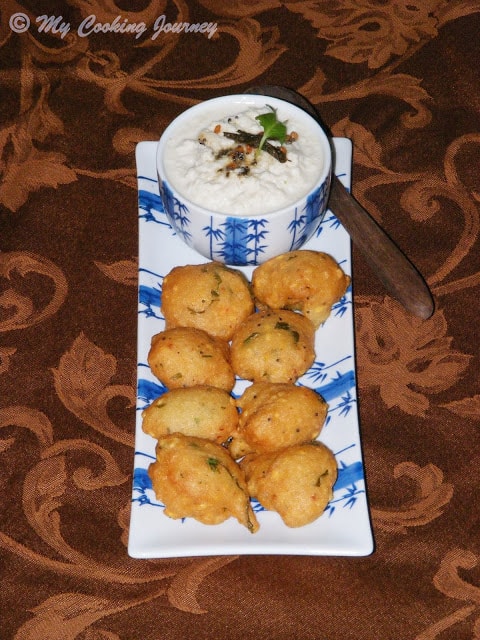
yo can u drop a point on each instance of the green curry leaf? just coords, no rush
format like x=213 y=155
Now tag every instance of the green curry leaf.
x=273 y=129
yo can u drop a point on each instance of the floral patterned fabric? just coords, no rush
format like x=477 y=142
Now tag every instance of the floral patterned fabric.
x=402 y=80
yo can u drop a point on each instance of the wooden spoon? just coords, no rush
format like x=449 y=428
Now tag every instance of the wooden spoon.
x=397 y=274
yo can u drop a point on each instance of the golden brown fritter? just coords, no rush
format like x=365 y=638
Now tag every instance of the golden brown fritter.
x=273 y=346
x=209 y=296
x=276 y=415
x=296 y=482
x=304 y=280
x=187 y=357
x=197 y=478
x=202 y=411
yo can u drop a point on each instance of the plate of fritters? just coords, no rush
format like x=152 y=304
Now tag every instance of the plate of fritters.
x=247 y=438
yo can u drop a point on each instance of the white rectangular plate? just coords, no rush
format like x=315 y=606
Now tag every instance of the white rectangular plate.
x=344 y=529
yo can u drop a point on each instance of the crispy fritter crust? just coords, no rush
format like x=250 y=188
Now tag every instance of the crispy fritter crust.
x=209 y=296
x=296 y=482
x=276 y=415
x=187 y=357
x=197 y=478
x=202 y=411
x=304 y=280
x=273 y=346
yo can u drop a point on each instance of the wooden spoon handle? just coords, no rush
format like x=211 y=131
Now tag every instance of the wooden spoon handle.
x=397 y=274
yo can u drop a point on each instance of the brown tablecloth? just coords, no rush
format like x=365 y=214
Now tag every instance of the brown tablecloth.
x=402 y=80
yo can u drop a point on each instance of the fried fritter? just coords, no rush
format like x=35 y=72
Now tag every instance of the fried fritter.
x=303 y=280
x=273 y=346
x=202 y=411
x=187 y=357
x=197 y=478
x=296 y=482
x=209 y=296
x=276 y=415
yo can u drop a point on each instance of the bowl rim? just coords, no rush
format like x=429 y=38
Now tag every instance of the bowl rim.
x=246 y=99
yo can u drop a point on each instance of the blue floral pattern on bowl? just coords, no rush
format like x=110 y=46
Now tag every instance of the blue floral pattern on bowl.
x=241 y=241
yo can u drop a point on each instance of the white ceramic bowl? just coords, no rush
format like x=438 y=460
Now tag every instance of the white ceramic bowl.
x=248 y=237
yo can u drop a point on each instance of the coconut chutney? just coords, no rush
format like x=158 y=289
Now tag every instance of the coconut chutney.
x=200 y=162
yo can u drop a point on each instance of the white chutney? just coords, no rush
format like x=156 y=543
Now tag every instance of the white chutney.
x=195 y=168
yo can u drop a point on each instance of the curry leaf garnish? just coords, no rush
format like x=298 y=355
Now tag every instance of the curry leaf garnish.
x=286 y=327
x=251 y=337
x=213 y=463
x=273 y=129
